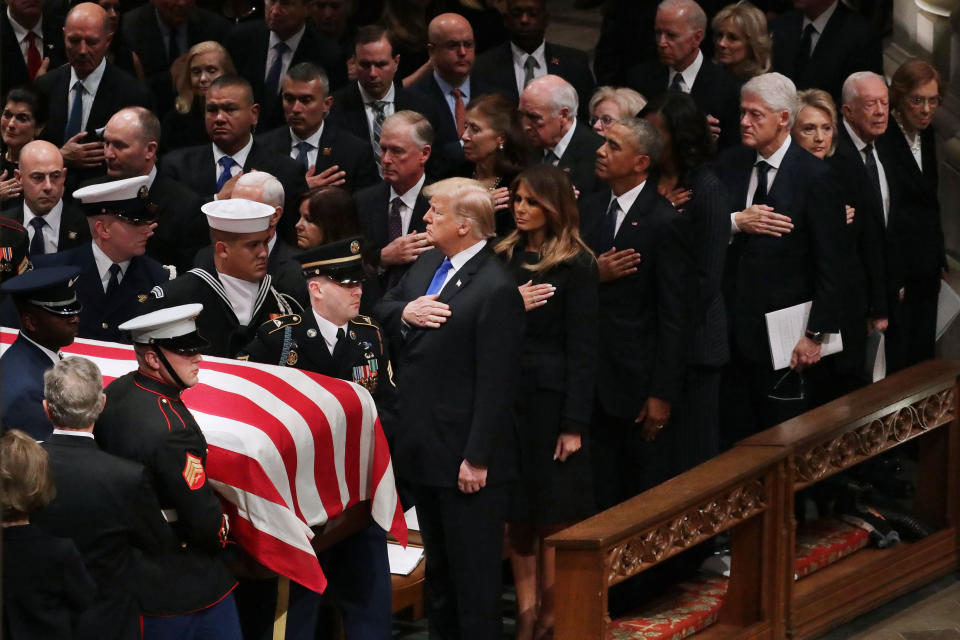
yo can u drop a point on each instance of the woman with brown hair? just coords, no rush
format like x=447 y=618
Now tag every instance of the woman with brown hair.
x=494 y=144
x=45 y=583
x=183 y=126
x=557 y=276
x=741 y=40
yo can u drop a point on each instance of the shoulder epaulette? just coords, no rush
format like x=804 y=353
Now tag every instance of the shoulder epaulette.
x=278 y=322
x=363 y=320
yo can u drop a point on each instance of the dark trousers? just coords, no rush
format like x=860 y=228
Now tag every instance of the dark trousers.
x=617 y=458
x=217 y=622
x=463 y=541
x=911 y=337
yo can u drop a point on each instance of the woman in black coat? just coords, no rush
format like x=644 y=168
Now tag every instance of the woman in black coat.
x=684 y=177
x=557 y=276
x=917 y=259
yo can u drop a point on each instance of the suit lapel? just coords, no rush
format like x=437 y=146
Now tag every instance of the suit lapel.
x=459 y=281
x=781 y=190
x=101 y=109
x=206 y=169
x=631 y=222
x=417 y=223
x=89 y=281
x=57 y=108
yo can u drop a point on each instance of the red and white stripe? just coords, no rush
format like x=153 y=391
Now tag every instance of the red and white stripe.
x=287 y=450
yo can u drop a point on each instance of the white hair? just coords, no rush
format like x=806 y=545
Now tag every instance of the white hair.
x=564 y=95
x=693 y=12
x=272 y=188
x=851 y=86
x=777 y=91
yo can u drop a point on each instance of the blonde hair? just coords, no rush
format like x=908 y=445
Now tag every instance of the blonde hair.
x=630 y=102
x=552 y=189
x=185 y=97
x=753 y=23
x=468 y=200
x=820 y=99
x=26 y=484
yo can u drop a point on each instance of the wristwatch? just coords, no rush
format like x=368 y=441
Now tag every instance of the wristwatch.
x=816 y=336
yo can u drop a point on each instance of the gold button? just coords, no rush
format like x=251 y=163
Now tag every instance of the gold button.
x=163 y=400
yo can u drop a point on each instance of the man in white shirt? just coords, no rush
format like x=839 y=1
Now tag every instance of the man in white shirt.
x=32 y=42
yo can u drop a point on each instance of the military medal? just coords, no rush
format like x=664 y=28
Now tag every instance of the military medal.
x=292 y=358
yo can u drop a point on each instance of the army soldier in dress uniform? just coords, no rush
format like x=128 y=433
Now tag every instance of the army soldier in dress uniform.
x=46 y=301
x=237 y=293
x=14 y=260
x=189 y=589
x=332 y=339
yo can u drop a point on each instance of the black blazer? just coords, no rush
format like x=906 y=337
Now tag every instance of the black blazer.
x=644 y=317
x=847 y=44
x=248 y=44
x=101 y=315
x=141 y=33
x=495 y=68
x=915 y=235
x=456 y=382
x=14 y=67
x=715 y=90
x=181 y=227
x=194 y=167
x=772 y=273
x=74 y=230
x=579 y=159
x=373 y=207
x=337 y=147
x=108 y=507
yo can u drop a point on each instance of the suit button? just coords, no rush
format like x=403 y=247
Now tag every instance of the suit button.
x=163 y=400
x=105 y=326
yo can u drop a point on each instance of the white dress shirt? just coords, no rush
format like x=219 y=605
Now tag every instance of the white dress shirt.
x=292 y=43
x=389 y=97
x=884 y=186
x=457 y=261
x=90 y=85
x=241 y=294
x=328 y=330
x=625 y=200
x=51 y=230
x=20 y=32
x=689 y=74
x=520 y=59
x=103 y=266
x=561 y=146
x=775 y=160
x=73 y=432
x=239 y=158
x=409 y=202
x=313 y=141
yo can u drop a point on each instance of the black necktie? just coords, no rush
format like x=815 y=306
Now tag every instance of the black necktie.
x=114 y=282
x=677 y=83
x=760 y=195
x=394 y=221
x=341 y=343
x=36 y=244
x=871 y=163
x=173 y=46
x=609 y=229
x=805 y=50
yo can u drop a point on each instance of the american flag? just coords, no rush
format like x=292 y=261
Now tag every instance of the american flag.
x=287 y=450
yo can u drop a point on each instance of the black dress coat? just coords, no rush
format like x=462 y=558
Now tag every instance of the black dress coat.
x=336 y=147
x=847 y=44
x=14 y=66
x=557 y=377
x=579 y=159
x=45 y=585
x=21 y=388
x=248 y=44
x=102 y=314
x=74 y=230
x=145 y=421
x=181 y=226
x=107 y=506
x=195 y=168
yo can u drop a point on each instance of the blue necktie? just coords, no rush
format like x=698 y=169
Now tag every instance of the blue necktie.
x=272 y=83
x=303 y=148
x=227 y=163
x=437 y=283
x=76 y=112
x=609 y=229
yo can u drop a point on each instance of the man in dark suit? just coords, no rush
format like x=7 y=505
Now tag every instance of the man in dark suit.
x=83 y=94
x=548 y=113
x=105 y=504
x=681 y=66
x=391 y=213
x=361 y=108
x=130 y=148
x=161 y=32
x=645 y=269
x=458 y=320
x=115 y=275
x=52 y=223
x=263 y=51
x=782 y=191
x=328 y=155
x=821 y=42
x=32 y=40
x=47 y=304
x=231 y=116
x=512 y=65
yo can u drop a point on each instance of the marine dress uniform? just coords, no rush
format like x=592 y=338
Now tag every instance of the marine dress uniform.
x=145 y=420
x=357 y=568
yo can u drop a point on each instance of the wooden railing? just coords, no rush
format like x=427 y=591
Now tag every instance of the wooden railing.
x=749 y=491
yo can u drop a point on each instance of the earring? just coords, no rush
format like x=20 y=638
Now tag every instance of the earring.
x=500 y=146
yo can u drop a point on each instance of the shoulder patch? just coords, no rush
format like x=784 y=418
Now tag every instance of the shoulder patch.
x=278 y=322
x=193 y=472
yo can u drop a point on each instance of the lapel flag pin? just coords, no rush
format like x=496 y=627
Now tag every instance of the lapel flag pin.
x=458 y=283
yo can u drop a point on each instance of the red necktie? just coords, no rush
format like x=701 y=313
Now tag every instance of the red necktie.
x=33 y=55
x=459 y=110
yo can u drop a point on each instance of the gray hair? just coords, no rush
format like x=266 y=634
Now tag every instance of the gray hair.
x=629 y=101
x=645 y=138
x=308 y=72
x=564 y=95
x=851 y=86
x=421 y=131
x=692 y=11
x=73 y=389
x=272 y=188
x=777 y=91
x=468 y=200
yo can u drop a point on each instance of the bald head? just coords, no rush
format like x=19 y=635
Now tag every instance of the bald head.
x=451 y=47
x=130 y=142
x=86 y=37
x=42 y=175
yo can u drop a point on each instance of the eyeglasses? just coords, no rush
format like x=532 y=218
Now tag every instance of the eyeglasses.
x=918 y=101
x=606 y=120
